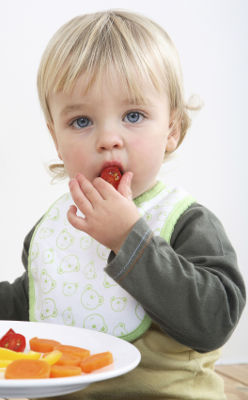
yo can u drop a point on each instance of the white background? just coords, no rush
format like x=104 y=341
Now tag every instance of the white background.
x=211 y=37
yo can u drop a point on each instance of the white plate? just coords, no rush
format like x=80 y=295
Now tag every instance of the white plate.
x=126 y=357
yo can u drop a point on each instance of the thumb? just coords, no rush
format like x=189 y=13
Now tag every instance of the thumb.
x=124 y=187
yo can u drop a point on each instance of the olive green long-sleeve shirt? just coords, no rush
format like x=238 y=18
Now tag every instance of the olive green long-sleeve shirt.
x=191 y=288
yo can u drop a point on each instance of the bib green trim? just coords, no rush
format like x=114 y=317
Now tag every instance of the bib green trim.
x=171 y=221
x=31 y=281
x=145 y=324
x=154 y=191
x=30 y=277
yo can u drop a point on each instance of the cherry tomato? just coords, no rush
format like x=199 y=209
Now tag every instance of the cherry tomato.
x=13 y=341
x=6 y=337
x=112 y=175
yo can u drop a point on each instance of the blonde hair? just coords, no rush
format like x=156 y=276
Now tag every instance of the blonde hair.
x=138 y=49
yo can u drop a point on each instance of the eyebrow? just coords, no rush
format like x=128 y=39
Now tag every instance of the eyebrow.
x=70 y=108
x=144 y=102
x=78 y=107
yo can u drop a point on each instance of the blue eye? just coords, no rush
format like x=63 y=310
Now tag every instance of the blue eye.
x=134 y=116
x=81 y=122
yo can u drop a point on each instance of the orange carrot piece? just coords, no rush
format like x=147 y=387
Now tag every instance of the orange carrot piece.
x=28 y=369
x=74 y=350
x=96 y=361
x=61 y=371
x=69 y=359
x=42 y=345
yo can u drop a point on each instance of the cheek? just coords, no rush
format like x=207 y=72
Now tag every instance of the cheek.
x=72 y=156
x=147 y=158
x=150 y=151
x=141 y=147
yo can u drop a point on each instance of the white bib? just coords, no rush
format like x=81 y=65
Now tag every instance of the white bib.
x=67 y=281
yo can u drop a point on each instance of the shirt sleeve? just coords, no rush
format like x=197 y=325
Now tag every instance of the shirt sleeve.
x=191 y=287
x=14 y=298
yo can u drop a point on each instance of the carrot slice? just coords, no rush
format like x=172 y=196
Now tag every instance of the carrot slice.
x=28 y=369
x=61 y=371
x=74 y=350
x=69 y=359
x=42 y=345
x=96 y=361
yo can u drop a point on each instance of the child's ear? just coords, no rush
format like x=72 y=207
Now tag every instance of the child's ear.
x=174 y=136
x=52 y=131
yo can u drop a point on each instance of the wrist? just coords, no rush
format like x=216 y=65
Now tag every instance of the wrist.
x=117 y=245
x=130 y=250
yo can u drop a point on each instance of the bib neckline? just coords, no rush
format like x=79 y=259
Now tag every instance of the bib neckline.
x=149 y=194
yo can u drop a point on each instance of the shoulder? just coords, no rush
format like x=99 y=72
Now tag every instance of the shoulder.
x=201 y=228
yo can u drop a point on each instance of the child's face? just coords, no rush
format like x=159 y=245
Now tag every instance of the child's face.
x=103 y=125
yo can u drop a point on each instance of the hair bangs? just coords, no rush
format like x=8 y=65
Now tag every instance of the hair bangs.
x=107 y=44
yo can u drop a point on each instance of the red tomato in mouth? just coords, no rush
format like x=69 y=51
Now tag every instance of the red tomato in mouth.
x=112 y=175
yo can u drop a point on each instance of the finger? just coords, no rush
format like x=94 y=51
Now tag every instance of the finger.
x=88 y=189
x=75 y=220
x=79 y=198
x=125 y=185
x=104 y=188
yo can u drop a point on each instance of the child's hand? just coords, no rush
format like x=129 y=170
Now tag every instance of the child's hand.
x=109 y=214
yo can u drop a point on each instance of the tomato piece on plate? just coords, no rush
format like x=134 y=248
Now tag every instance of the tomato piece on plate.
x=18 y=342
x=13 y=341
x=112 y=175
x=7 y=336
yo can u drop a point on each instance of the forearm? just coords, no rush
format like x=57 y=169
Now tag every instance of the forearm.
x=196 y=298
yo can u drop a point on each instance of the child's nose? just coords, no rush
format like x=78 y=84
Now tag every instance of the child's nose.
x=109 y=140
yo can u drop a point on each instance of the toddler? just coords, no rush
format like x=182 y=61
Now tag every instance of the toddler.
x=142 y=261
